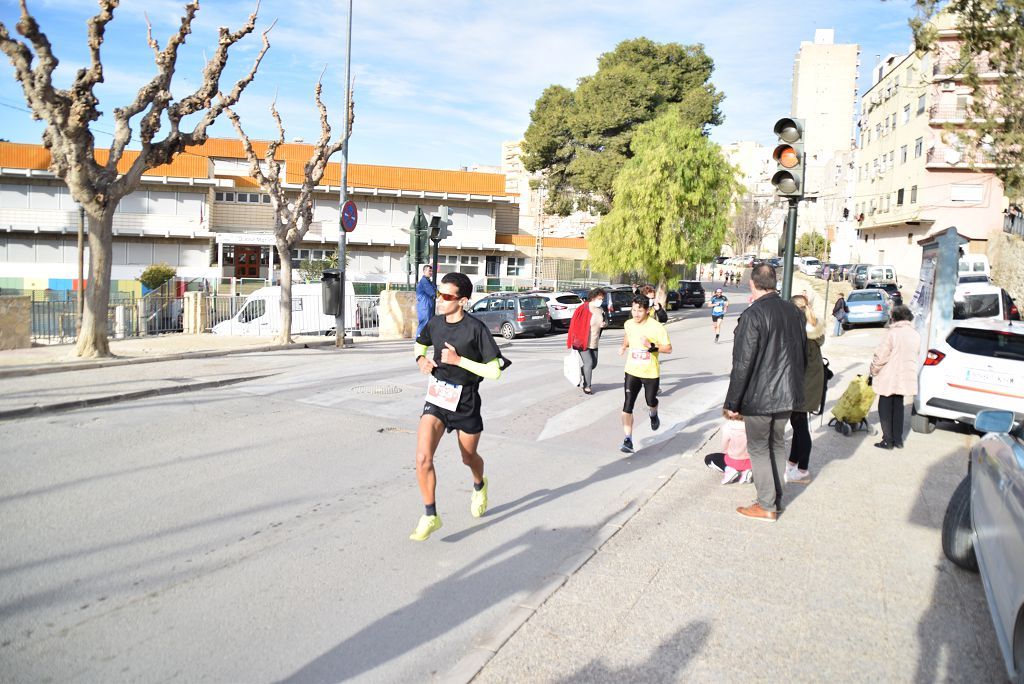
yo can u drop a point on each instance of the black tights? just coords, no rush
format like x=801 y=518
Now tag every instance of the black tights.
x=890 y=415
x=800 y=449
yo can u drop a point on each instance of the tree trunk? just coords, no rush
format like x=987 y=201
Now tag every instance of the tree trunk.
x=285 y=253
x=92 y=340
x=661 y=293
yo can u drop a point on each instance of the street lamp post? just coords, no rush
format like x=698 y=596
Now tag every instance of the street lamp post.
x=339 y=322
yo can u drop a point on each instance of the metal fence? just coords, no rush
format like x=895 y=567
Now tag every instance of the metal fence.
x=55 y=317
x=1013 y=223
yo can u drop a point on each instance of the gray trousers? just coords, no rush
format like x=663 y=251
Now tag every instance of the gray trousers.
x=766 y=444
x=589 y=357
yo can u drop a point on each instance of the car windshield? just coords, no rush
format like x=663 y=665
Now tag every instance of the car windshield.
x=863 y=297
x=568 y=299
x=989 y=343
x=532 y=303
x=976 y=306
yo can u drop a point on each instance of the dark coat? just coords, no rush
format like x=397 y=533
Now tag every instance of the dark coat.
x=769 y=357
x=814 y=376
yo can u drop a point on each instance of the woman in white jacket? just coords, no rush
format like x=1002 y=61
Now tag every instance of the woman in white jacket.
x=894 y=375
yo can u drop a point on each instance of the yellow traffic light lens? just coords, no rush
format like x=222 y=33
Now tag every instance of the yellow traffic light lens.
x=787 y=157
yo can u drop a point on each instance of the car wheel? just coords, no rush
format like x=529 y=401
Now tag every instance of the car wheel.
x=847 y=326
x=698 y=305
x=956 y=528
x=922 y=424
x=507 y=331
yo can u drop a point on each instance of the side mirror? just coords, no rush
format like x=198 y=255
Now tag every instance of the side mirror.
x=991 y=420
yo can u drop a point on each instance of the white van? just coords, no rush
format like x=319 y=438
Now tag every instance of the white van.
x=974 y=268
x=261 y=312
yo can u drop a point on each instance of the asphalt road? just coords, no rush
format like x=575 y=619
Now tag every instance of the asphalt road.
x=258 y=532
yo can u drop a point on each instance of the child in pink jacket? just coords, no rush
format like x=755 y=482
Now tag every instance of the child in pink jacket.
x=733 y=461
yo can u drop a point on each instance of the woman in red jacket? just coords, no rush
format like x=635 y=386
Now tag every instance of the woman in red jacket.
x=585 y=333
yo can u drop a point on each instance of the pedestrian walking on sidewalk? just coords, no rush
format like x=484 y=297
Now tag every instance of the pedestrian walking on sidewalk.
x=644 y=341
x=814 y=384
x=426 y=294
x=766 y=384
x=719 y=307
x=894 y=375
x=585 y=334
x=464 y=354
x=839 y=312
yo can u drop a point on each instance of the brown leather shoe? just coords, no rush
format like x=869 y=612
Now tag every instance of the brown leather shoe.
x=755 y=511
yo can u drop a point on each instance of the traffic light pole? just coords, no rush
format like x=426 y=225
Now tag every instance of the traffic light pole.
x=433 y=268
x=787 y=262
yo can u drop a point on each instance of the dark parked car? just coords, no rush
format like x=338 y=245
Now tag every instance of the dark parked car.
x=891 y=289
x=619 y=305
x=983 y=530
x=691 y=293
x=672 y=300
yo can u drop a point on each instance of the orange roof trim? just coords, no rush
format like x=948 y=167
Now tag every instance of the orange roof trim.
x=37 y=158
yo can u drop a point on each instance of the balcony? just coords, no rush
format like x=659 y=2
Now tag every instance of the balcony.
x=955 y=67
x=947 y=113
x=949 y=158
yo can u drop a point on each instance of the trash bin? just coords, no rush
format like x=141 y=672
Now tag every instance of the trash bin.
x=331 y=283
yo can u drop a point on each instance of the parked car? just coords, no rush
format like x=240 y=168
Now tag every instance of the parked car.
x=561 y=306
x=509 y=314
x=826 y=271
x=672 y=300
x=982 y=300
x=619 y=305
x=891 y=289
x=810 y=266
x=720 y=260
x=691 y=293
x=867 y=307
x=841 y=272
x=983 y=529
x=775 y=262
x=979 y=365
x=857 y=275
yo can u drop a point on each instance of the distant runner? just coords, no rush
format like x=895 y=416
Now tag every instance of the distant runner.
x=464 y=354
x=719 y=305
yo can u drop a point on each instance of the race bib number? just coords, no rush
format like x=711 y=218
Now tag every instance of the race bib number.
x=443 y=394
x=640 y=355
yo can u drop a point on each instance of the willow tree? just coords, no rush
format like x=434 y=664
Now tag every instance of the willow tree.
x=93 y=179
x=673 y=201
x=293 y=212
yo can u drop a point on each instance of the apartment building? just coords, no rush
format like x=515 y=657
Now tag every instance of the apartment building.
x=915 y=174
x=205 y=216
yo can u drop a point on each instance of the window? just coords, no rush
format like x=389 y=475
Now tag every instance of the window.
x=906 y=114
x=469 y=265
x=894 y=121
x=910 y=238
x=903 y=154
x=47 y=197
x=134 y=203
x=253 y=310
x=266 y=200
x=243 y=197
x=920 y=105
x=910 y=75
x=913 y=194
x=878 y=130
x=899 y=197
x=225 y=196
x=918 y=147
x=966 y=192
x=515 y=266
x=492 y=268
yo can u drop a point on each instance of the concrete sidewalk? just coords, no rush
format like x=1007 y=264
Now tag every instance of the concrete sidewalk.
x=849 y=585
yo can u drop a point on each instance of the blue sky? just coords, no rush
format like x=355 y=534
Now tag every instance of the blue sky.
x=441 y=84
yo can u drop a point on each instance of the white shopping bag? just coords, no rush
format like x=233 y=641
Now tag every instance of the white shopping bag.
x=572 y=367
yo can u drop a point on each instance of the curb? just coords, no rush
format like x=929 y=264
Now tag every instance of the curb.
x=38 y=410
x=487 y=643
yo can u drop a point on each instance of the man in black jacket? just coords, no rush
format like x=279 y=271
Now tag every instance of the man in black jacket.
x=766 y=385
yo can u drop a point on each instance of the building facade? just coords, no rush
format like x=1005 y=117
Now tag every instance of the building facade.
x=205 y=216
x=914 y=175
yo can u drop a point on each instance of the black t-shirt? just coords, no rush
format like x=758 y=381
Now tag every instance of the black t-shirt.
x=471 y=339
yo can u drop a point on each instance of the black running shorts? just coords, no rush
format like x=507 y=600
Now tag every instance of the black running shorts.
x=632 y=387
x=466 y=418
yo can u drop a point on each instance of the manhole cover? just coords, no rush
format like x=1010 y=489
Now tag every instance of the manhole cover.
x=376 y=390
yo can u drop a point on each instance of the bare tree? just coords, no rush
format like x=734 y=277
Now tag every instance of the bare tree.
x=93 y=180
x=752 y=223
x=293 y=214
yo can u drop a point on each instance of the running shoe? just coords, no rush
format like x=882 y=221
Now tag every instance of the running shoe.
x=478 y=502
x=655 y=422
x=627 y=446
x=732 y=476
x=427 y=525
x=748 y=477
x=800 y=477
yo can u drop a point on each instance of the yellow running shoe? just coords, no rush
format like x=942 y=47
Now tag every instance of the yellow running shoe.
x=478 y=503
x=427 y=525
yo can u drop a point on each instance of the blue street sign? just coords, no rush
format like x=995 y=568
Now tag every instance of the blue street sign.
x=349 y=216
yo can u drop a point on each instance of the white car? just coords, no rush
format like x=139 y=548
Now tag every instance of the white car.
x=810 y=266
x=980 y=365
x=561 y=305
x=983 y=300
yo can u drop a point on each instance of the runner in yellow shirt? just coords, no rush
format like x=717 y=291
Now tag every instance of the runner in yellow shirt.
x=644 y=340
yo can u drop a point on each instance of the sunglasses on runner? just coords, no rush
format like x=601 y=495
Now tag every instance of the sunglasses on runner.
x=448 y=297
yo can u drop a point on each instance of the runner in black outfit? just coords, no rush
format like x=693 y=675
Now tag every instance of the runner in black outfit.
x=464 y=354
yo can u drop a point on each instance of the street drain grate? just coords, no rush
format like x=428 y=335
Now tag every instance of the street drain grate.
x=376 y=390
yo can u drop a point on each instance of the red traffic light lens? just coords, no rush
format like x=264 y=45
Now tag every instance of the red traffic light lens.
x=786 y=156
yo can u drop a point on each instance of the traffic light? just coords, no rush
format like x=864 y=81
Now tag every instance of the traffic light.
x=789 y=158
x=439 y=224
x=419 y=245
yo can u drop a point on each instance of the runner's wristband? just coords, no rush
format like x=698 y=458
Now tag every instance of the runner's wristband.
x=653 y=348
